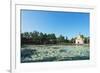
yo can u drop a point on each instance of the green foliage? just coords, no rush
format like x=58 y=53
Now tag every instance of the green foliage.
x=61 y=39
x=36 y=37
x=86 y=40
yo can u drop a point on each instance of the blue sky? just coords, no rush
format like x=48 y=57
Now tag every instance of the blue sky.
x=67 y=24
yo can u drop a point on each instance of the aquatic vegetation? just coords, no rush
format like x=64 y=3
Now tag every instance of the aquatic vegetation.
x=40 y=53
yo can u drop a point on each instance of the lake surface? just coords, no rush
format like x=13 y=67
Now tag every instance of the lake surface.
x=44 y=53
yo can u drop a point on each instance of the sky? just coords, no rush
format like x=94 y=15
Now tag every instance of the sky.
x=63 y=23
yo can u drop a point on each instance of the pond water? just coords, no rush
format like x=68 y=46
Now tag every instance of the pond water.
x=44 y=53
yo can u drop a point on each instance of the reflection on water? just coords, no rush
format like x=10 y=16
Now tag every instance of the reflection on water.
x=43 y=53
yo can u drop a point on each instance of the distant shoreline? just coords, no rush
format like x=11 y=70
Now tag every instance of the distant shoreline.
x=56 y=44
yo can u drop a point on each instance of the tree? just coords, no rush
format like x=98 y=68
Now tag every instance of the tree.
x=52 y=38
x=82 y=36
x=66 y=40
x=72 y=40
x=86 y=40
x=26 y=35
x=36 y=37
x=45 y=41
x=41 y=37
x=60 y=39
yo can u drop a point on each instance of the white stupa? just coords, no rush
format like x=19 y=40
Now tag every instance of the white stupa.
x=79 y=40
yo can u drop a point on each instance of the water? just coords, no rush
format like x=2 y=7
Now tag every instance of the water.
x=44 y=53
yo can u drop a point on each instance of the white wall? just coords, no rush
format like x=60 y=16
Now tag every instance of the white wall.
x=5 y=36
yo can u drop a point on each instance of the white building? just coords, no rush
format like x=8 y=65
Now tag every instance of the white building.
x=79 y=40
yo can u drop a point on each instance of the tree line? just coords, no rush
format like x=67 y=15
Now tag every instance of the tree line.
x=40 y=38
